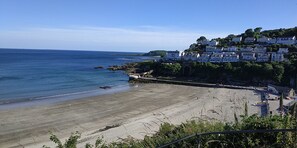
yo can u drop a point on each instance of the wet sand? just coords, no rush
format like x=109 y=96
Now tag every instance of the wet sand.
x=138 y=112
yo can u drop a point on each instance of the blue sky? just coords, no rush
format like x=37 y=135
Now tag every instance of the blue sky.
x=134 y=25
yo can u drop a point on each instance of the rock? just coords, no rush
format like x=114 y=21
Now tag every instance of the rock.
x=105 y=87
x=98 y=67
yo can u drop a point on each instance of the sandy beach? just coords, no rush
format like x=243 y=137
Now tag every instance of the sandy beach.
x=136 y=113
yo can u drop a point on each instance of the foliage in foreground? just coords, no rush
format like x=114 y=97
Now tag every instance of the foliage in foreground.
x=169 y=132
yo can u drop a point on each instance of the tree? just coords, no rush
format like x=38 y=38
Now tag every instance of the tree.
x=170 y=69
x=281 y=104
x=258 y=29
x=278 y=71
x=257 y=32
x=267 y=71
x=201 y=38
x=249 y=33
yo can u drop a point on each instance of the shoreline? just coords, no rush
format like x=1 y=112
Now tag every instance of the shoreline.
x=48 y=100
x=134 y=111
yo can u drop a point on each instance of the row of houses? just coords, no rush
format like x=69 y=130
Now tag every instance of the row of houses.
x=218 y=57
x=242 y=49
x=263 y=39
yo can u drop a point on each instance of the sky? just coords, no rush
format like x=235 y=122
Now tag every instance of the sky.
x=134 y=25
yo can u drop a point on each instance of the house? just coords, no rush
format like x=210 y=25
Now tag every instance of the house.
x=203 y=42
x=286 y=91
x=204 y=57
x=216 y=57
x=283 y=50
x=263 y=57
x=213 y=49
x=231 y=49
x=213 y=43
x=246 y=49
x=272 y=41
x=286 y=40
x=263 y=39
x=248 y=56
x=230 y=57
x=260 y=49
x=190 y=56
x=236 y=39
x=249 y=40
x=173 y=55
x=277 y=57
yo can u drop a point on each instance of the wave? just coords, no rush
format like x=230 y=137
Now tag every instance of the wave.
x=4 y=78
x=66 y=96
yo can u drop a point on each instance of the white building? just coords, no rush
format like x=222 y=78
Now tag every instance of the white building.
x=263 y=57
x=230 y=57
x=213 y=49
x=272 y=41
x=236 y=39
x=263 y=39
x=260 y=49
x=216 y=57
x=249 y=40
x=277 y=57
x=248 y=56
x=190 y=56
x=204 y=57
x=213 y=43
x=246 y=49
x=231 y=49
x=286 y=40
x=173 y=55
x=283 y=50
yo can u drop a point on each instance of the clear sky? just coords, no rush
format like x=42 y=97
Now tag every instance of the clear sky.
x=134 y=25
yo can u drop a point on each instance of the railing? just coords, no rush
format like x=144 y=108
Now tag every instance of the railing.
x=198 y=136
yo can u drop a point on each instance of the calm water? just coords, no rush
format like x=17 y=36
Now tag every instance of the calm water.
x=42 y=74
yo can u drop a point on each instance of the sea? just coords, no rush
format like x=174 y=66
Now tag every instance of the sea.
x=58 y=75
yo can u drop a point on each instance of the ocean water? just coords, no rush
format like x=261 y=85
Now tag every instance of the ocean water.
x=28 y=75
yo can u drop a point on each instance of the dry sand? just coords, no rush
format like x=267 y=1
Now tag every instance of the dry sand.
x=139 y=112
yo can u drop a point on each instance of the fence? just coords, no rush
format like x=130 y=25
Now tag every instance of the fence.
x=199 y=136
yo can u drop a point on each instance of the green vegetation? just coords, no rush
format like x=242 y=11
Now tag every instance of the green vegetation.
x=169 y=132
x=282 y=32
x=160 y=53
x=247 y=72
x=256 y=33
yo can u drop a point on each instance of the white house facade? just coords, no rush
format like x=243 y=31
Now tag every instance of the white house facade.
x=231 y=49
x=277 y=57
x=263 y=39
x=286 y=40
x=283 y=50
x=249 y=40
x=263 y=57
x=204 y=57
x=216 y=58
x=190 y=56
x=272 y=41
x=248 y=56
x=213 y=43
x=260 y=49
x=213 y=49
x=230 y=57
x=246 y=49
x=236 y=39
x=173 y=55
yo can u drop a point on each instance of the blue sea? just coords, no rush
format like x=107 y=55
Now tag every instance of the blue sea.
x=29 y=75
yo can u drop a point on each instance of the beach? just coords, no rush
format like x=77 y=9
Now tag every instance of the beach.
x=134 y=113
